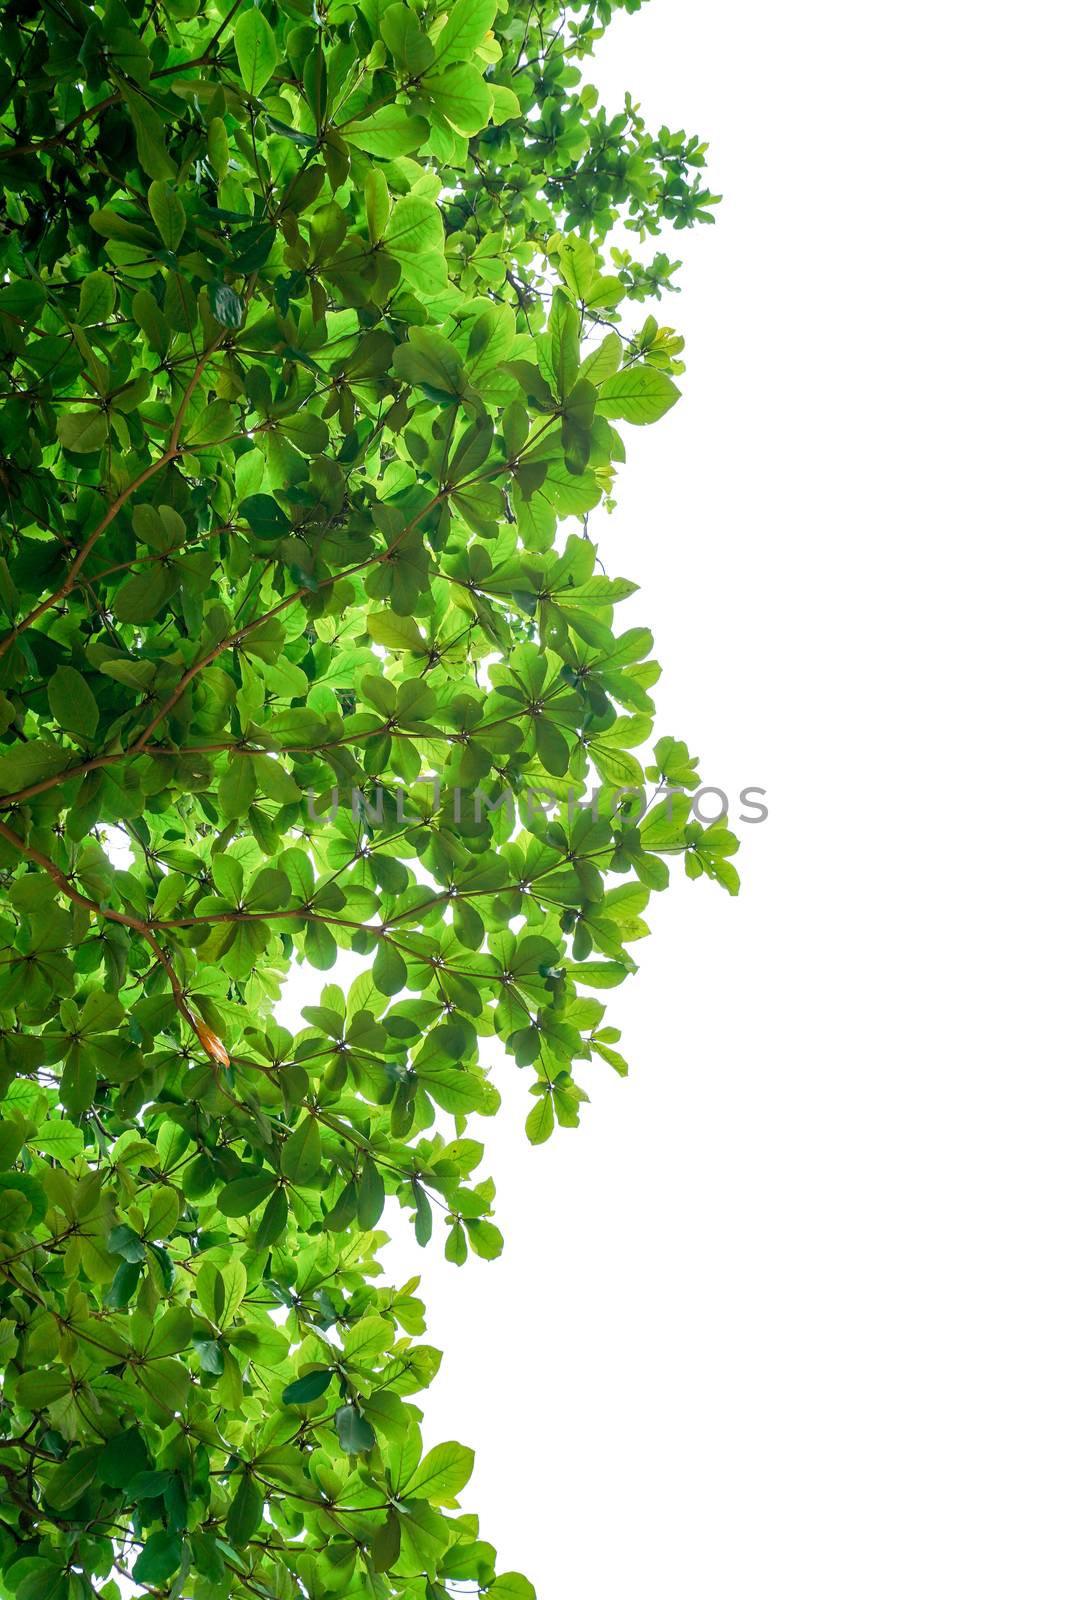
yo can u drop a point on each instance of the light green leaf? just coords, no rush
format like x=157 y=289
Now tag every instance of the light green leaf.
x=466 y=25
x=257 y=53
x=84 y=432
x=510 y=1586
x=31 y=763
x=461 y=95
x=390 y=132
x=368 y=1337
x=541 y=1121
x=59 y=1139
x=441 y=1474
x=637 y=394
x=396 y=633
x=408 y=45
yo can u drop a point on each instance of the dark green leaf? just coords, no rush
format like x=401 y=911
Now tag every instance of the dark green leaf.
x=160 y=1558
x=303 y=1390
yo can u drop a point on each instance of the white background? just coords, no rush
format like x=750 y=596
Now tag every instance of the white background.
x=787 y=1316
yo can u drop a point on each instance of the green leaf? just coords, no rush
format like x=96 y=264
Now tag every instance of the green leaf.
x=35 y=1390
x=31 y=763
x=510 y=1586
x=160 y=1558
x=461 y=95
x=262 y=512
x=441 y=1474
x=123 y=1241
x=143 y=596
x=83 y=432
x=354 y=1431
x=390 y=132
x=72 y=1478
x=564 y=356
x=396 y=633
x=31 y=1198
x=541 y=1121
x=168 y=214
x=212 y=425
x=96 y=300
x=456 y=1244
x=302 y=1153
x=237 y=787
x=370 y=1201
x=242 y=1196
x=59 y=1140
x=408 y=45
x=246 y=1512
x=637 y=394
x=423 y=1215
x=218 y=147
x=368 y=1337
x=257 y=53
x=465 y=28
x=385 y=1546
x=122 y=1458
x=149 y=135
x=389 y=970
x=273 y=1222
x=485 y=1237
x=43 y=1581
x=416 y=235
x=221 y=1289
x=378 y=203
x=77 y=1085
x=430 y=360
x=308 y=1388
x=72 y=703
x=308 y=432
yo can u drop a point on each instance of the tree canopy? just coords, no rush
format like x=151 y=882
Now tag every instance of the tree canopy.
x=318 y=345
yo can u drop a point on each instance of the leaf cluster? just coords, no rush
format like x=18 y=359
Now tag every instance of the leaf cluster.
x=314 y=361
